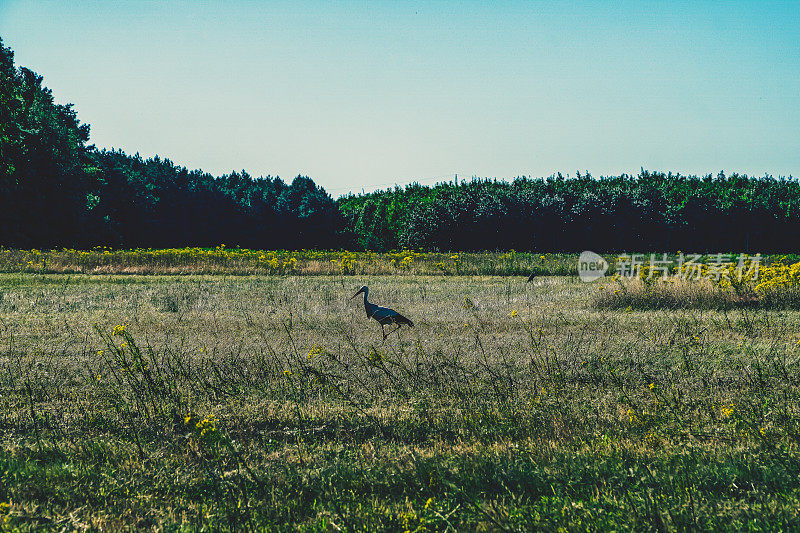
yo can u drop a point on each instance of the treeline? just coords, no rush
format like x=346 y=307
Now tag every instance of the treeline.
x=153 y=203
x=56 y=190
x=648 y=212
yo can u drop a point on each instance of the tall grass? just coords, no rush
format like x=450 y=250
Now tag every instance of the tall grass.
x=205 y=402
x=775 y=286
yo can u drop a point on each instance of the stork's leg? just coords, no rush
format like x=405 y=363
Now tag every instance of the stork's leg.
x=395 y=329
x=384 y=332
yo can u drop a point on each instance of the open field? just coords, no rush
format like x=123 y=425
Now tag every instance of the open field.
x=204 y=402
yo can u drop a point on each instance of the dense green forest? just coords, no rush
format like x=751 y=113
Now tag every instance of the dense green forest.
x=648 y=212
x=57 y=190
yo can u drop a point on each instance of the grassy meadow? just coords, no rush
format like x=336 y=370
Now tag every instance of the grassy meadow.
x=270 y=402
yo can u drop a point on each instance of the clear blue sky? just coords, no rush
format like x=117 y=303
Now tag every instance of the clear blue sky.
x=366 y=94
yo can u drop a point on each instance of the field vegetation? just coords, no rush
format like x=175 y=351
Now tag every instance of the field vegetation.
x=216 y=402
x=705 y=285
x=241 y=261
x=237 y=261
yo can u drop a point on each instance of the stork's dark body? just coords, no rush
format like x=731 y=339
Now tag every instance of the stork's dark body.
x=383 y=315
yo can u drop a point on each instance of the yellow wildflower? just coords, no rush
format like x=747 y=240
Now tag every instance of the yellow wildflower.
x=317 y=349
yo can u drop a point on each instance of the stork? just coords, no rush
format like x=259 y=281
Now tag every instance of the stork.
x=383 y=315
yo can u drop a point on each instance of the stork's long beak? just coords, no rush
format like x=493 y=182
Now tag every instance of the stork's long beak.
x=356 y=294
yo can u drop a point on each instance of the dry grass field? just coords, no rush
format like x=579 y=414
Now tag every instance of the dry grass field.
x=199 y=403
